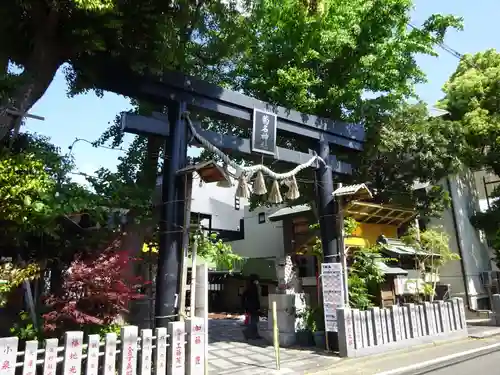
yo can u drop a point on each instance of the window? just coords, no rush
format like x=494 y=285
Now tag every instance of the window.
x=237 y=203
x=262 y=218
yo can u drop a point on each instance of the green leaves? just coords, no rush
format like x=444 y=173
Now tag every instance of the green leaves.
x=212 y=249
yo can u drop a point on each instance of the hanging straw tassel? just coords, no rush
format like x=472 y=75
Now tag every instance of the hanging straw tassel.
x=242 y=191
x=259 y=185
x=275 y=194
x=293 y=189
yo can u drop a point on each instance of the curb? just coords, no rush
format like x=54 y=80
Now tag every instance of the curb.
x=442 y=362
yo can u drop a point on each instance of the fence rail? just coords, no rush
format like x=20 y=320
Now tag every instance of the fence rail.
x=174 y=351
x=378 y=330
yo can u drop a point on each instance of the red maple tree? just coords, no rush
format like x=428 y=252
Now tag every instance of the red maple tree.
x=94 y=292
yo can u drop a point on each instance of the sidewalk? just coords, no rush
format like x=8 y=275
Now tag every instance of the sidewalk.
x=403 y=358
x=229 y=353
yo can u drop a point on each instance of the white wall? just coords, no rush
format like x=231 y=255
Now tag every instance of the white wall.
x=218 y=202
x=475 y=251
x=261 y=240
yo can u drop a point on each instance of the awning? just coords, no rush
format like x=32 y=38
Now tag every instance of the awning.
x=397 y=247
x=289 y=211
x=359 y=191
x=388 y=270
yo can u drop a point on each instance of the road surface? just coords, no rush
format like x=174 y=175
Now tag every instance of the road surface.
x=484 y=364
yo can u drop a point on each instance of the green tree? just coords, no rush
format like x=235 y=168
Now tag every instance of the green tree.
x=472 y=101
x=40 y=36
x=434 y=247
x=322 y=61
x=325 y=59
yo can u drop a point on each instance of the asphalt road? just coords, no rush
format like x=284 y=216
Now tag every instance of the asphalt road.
x=484 y=364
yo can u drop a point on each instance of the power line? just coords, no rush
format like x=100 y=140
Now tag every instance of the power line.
x=443 y=45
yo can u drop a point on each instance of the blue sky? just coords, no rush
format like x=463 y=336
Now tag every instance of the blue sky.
x=87 y=116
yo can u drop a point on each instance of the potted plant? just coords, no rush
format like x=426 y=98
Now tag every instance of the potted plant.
x=319 y=327
x=304 y=330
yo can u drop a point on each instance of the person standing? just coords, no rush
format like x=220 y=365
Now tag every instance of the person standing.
x=251 y=305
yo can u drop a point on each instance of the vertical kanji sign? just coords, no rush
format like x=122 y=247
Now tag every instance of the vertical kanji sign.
x=264 y=132
x=8 y=355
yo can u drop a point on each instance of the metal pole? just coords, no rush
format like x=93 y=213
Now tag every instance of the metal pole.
x=276 y=337
x=329 y=222
x=170 y=252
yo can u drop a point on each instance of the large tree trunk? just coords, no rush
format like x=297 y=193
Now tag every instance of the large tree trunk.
x=39 y=71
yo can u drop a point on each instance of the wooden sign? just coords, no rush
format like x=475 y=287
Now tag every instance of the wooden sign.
x=461 y=311
x=176 y=349
x=146 y=351
x=128 y=355
x=50 y=358
x=395 y=314
x=449 y=308
x=110 y=354
x=406 y=321
x=161 y=351
x=390 y=331
x=364 y=332
x=358 y=337
x=349 y=328
x=196 y=346
x=333 y=293
x=385 y=336
x=264 y=129
x=369 y=327
x=8 y=355
x=413 y=320
x=377 y=325
x=30 y=357
x=437 y=320
x=92 y=366
x=73 y=348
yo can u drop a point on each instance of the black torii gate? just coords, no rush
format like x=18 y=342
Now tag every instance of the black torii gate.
x=180 y=93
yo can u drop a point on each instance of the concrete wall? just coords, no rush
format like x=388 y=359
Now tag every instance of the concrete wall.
x=262 y=240
x=475 y=252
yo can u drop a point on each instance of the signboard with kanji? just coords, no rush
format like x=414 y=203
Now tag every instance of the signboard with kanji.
x=196 y=346
x=128 y=355
x=264 y=132
x=177 y=349
x=333 y=293
x=8 y=355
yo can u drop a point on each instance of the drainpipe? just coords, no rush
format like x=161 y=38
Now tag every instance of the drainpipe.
x=458 y=237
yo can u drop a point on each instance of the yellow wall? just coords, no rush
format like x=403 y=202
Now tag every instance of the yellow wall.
x=371 y=232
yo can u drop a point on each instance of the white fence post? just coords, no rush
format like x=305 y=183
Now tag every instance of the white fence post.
x=195 y=346
x=8 y=355
x=110 y=354
x=30 y=356
x=128 y=354
x=201 y=305
x=161 y=351
x=92 y=366
x=177 y=348
x=73 y=346
x=146 y=351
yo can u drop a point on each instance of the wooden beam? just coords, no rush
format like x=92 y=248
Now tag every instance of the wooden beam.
x=222 y=103
x=137 y=124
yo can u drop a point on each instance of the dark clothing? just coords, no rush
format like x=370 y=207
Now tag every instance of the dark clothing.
x=251 y=299
x=251 y=305
x=251 y=331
